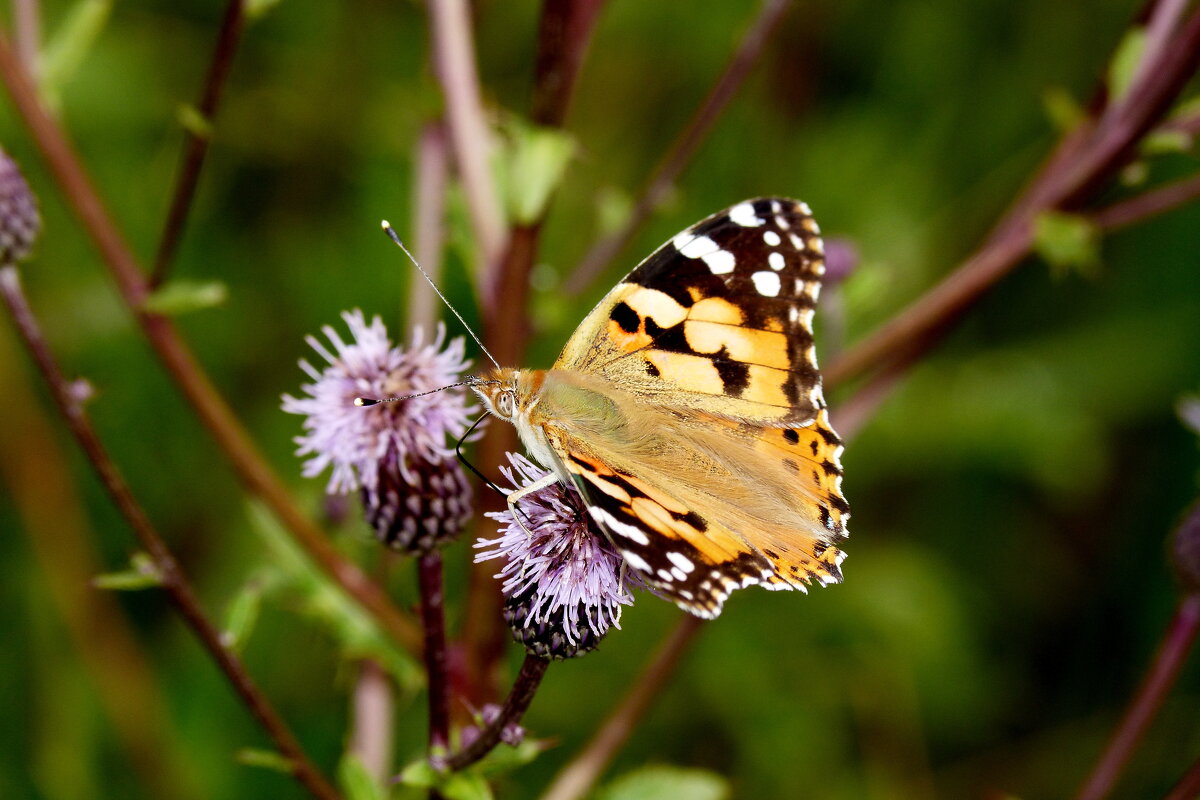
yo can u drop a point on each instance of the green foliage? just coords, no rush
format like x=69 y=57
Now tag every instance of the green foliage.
x=666 y=783
x=530 y=166
x=1067 y=241
x=356 y=781
x=183 y=296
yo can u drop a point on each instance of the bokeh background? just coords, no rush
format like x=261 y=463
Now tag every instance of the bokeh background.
x=1007 y=580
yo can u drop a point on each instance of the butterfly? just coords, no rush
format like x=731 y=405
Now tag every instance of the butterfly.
x=687 y=411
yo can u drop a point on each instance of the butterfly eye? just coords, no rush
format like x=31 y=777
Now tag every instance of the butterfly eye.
x=505 y=403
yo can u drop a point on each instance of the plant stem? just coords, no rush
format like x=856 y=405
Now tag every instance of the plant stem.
x=433 y=615
x=523 y=690
x=1160 y=677
x=168 y=572
x=196 y=146
x=470 y=139
x=682 y=150
x=429 y=207
x=248 y=463
x=577 y=777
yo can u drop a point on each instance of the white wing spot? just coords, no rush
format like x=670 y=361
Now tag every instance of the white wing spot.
x=625 y=530
x=782 y=223
x=743 y=214
x=681 y=561
x=636 y=561
x=804 y=209
x=721 y=262
x=767 y=283
x=797 y=242
x=818 y=247
x=664 y=575
x=776 y=261
x=679 y=574
x=771 y=238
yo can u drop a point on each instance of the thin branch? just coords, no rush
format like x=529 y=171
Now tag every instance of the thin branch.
x=248 y=463
x=196 y=146
x=1082 y=164
x=578 y=777
x=167 y=570
x=681 y=151
x=523 y=690
x=1148 y=204
x=1188 y=787
x=433 y=615
x=429 y=208
x=454 y=63
x=564 y=33
x=27 y=30
x=1160 y=677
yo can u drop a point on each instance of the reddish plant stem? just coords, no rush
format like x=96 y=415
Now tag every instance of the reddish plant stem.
x=564 y=33
x=578 y=777
x=1159 y=678
x=1148 y=204
x=27 y=28
x=248 y=463
x=683 y=149
x=523 y=690
x=429 y=207
x=433 y=616
x=167 y=570
x=1082 y=164
x=196 y=146
x=1188 y=787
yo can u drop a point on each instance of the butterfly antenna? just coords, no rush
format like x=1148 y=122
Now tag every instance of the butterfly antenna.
x=391 y=232
x=371 y=401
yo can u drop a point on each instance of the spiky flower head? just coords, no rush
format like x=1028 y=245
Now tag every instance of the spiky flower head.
x=20 y=222
x=564 y=584
x=398 y=454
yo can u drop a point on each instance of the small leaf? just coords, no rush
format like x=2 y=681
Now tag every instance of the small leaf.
x=72 y=42
x=1124 y=64
x=1067 y=241
x=356 y=781
x=193 y=121
x=142 y=574
x=665 y=783
x=266 y=759
x=505 y=758
x=181 y=296
x=420 y=774
x=531 y=167
x=1166 y=141
x=465 y=786
x=1062 y=108
x=256 y=9
x=242 y=615
x=1188 y=409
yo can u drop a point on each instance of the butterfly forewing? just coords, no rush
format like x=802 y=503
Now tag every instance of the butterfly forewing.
x=706 y=453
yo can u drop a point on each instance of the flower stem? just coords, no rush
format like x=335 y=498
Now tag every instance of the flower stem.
x=168 y=572
x=248 y=463
x=1160 y=677
x=577 y=777
x=429 y=579
x=523 y=690
x=196 y=147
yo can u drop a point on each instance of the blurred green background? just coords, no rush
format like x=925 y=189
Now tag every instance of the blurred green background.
x=1006 y=583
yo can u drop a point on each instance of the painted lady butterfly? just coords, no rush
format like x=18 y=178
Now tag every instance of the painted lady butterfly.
x=687 y=410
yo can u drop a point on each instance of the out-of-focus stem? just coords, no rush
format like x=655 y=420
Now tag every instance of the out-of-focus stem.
x=523 y=690
x=433 y=615
x=429 y=207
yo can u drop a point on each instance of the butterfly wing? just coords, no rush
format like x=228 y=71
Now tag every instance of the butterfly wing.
x=723 y=471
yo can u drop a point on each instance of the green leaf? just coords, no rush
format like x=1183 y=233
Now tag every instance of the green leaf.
x=465 y=786
x=242 y=615
x=142 y=574
x=1124 y=64
x=505 y=758
x=356 y=781
x=181 y=296
x=71 y=43
x=1067 y=241
x=192 y=120
x=256 y=9
x=1062 y=108
x=1188 y=409
x=1166 y=141
x=531 y=168
x=663 y=782
x=420 y=774
x=266 y=759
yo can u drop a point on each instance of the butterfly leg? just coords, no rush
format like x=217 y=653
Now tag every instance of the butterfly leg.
x=513 y=498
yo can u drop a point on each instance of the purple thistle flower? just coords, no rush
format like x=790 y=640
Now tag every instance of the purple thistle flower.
x=563 y=582
x=398 y=453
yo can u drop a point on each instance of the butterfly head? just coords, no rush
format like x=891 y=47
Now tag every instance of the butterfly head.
x=505 y=392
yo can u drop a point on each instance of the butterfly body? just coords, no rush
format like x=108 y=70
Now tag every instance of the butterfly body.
x=687 y=410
